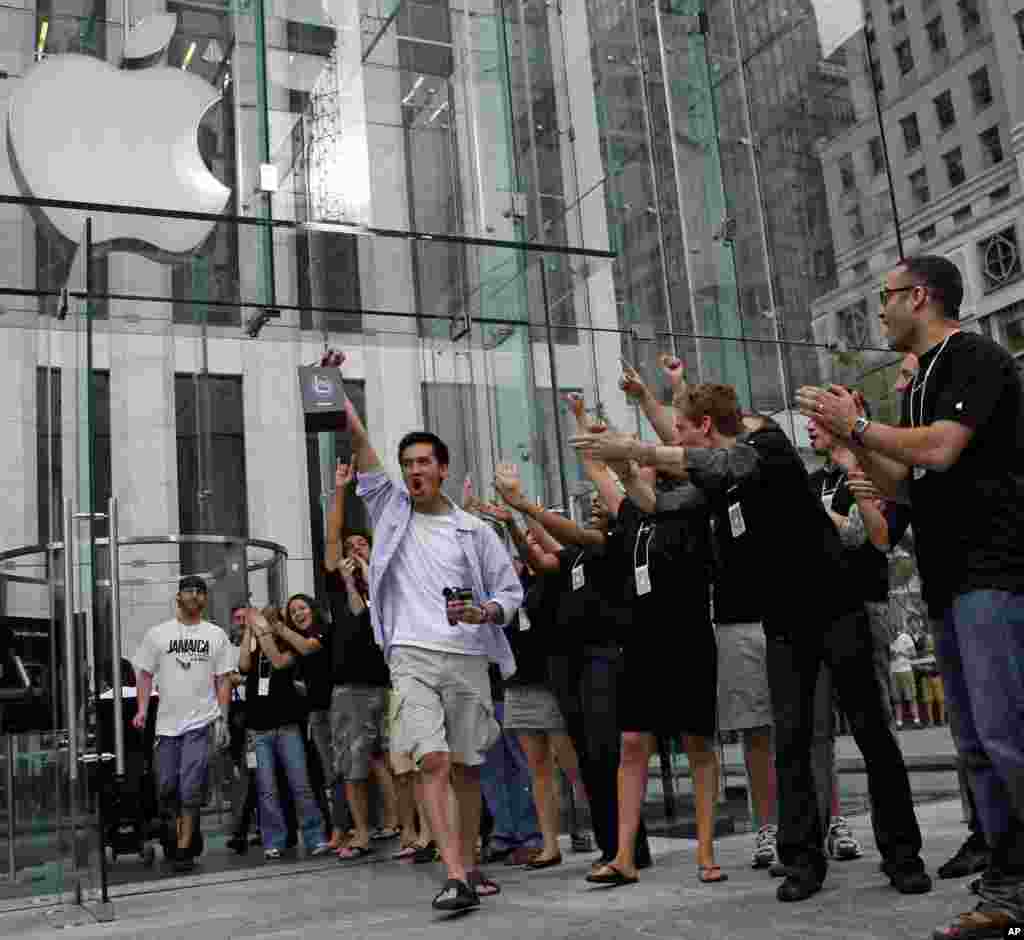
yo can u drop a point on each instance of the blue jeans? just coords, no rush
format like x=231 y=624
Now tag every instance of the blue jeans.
x=505 y=782
x=284 y=745
x=980 y=650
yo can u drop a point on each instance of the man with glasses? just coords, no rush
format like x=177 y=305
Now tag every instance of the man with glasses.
x=190 y=658
x=958 y=458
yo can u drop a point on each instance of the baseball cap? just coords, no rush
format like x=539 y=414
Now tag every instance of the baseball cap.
x=192 y=581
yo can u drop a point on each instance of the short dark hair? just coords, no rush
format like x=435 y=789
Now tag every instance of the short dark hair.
x=425 y=437
x=942 y=277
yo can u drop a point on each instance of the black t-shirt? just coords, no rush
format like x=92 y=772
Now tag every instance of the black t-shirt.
x=969 y=520
x=598 y=612
x=869 y=566
x=785 y=535
x=676 y=546
x=282 y=705
x=356 y=659
x=532 y=646
x=314 y=670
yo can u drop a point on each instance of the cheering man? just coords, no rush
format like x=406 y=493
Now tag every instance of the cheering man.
x=438 y=643
x=958 y=458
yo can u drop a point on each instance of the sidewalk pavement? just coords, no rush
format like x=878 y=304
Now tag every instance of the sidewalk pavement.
x=380 y=900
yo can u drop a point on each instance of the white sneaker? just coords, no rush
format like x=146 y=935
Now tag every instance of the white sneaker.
x=273 y=855
x=765 y=853
x=841 y=844
x=324 y=848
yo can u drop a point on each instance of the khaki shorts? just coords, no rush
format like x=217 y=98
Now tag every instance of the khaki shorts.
x=744 y=701
x=401 y=762
x=903 y=688
x=443 y=705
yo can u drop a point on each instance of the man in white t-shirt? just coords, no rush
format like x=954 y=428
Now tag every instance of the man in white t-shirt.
x=190 y=659
x=438 y=644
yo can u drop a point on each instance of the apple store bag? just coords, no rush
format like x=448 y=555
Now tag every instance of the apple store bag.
x=323 y=398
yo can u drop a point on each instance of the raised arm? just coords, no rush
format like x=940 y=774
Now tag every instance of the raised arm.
x=364 y=456
x=336 y=517
x=265 y=635
x=596 y=470
x=507 y=483
x=661 y=418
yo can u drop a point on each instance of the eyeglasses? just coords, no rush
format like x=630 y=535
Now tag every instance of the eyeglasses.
x=884 y=292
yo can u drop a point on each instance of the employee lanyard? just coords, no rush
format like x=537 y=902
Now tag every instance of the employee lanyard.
x=649 y=529
x=184 y=663
x=923 y=384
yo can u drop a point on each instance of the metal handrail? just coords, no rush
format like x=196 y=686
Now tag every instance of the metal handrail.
x=280 y=553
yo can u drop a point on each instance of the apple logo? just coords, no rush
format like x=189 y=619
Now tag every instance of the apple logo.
x=81 y=129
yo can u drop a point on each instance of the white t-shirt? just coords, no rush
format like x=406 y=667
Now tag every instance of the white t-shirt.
x=428 y=560
x=185 y=659
x=903 y=650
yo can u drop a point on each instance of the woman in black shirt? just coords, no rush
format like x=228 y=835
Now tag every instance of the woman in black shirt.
x=590 y=616
x=274 y=713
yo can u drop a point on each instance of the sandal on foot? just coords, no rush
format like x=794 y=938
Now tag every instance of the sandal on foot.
x=536 y=864
x=611 y=877
x=386 y=832
x=706 y=874
x=349 y=852
x=481 y=884
x=426 y=853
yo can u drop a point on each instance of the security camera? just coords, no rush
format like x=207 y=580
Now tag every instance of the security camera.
x=260 y=319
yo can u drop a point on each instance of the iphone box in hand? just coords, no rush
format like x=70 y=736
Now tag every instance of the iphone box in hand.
x=323 y=398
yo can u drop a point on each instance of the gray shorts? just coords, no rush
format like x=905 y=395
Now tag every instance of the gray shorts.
x=531 y=708
x=443 y=705
x=358 y=713
x=183 y=771
x=744 y=701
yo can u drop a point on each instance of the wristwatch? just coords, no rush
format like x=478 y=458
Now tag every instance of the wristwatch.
x=859 y=427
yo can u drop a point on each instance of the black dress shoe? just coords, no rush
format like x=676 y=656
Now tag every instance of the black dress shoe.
x=909 y=877
x=800 y=884
x=238 y=844
x=972 y=857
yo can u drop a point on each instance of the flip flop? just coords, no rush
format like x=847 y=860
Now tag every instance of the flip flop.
x=704 y=873
x=350 y=852
x=405 y=852
x=386 y=832
x=536 y=864
x=611 y=878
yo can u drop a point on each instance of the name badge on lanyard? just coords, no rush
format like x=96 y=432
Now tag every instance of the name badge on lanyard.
x=737 y=524
x=263 y=688
x=524 y=620
x=919 y=472
x=578 y=578
x=642 y=572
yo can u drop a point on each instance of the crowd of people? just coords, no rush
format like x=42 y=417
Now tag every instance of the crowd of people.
x=716 y=586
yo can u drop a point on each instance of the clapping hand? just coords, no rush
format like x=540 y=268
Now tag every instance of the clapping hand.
x=332 y=359
x=495 y=512
x=470 y=503
x=862 y=488
x=348 y=568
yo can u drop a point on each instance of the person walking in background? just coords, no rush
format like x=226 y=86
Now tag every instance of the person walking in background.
x=904 y=688
x=189 y=658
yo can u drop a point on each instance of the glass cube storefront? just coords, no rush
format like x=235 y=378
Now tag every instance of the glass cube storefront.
x=487 y=205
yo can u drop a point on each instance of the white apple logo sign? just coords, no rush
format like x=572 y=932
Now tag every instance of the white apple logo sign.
x=79 y=128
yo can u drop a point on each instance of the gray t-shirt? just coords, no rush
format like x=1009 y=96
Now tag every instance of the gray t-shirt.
x=428 y=560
